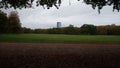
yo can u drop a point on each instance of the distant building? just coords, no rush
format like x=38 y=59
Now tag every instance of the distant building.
x=59 y=24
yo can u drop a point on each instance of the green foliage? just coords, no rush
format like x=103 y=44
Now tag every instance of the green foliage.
x=59 y=38
x=69 y=30
x=101 y=3
x=27 y=30
x=88 y=29
x=50 y=3
x=55 y=31
x=13 y=24
x=3 y=21
x=16 y=4
x=40 y=31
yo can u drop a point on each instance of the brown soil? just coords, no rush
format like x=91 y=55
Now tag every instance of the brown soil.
x=59 y=55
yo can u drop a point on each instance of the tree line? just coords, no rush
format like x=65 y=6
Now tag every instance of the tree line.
x=11 y=24
x=85 y=29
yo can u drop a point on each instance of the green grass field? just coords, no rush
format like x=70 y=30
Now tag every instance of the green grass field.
x=59 y=38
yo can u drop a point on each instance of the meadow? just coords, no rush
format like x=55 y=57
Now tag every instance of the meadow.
x=59 y=38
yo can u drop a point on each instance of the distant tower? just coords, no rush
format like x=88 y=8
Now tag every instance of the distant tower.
x=59 y=25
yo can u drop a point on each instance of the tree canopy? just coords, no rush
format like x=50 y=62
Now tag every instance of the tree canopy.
x=13 y=24
x=50 y=3
x=3 y=22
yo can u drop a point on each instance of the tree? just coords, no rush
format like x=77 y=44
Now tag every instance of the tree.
x=101 y=3
x=69 y=30
x=88 y=29
x=50 y=3
x=102 y=30
x=13 y=24
x=55 y=31
x=40 y=31
x=3 y=21
x=27 y=30
x=108 y=30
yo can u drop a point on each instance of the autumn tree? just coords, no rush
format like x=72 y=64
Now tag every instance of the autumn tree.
x=108 y=30
x=13 y=24
x=3 y=21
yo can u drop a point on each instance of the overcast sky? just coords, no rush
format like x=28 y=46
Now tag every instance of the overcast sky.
x=76 y=14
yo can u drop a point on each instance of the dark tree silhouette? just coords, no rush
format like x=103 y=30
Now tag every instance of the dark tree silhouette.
x=88 y=29
x=13 y=24
x=69 y=30
x=3 y=21
x=50 y=3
